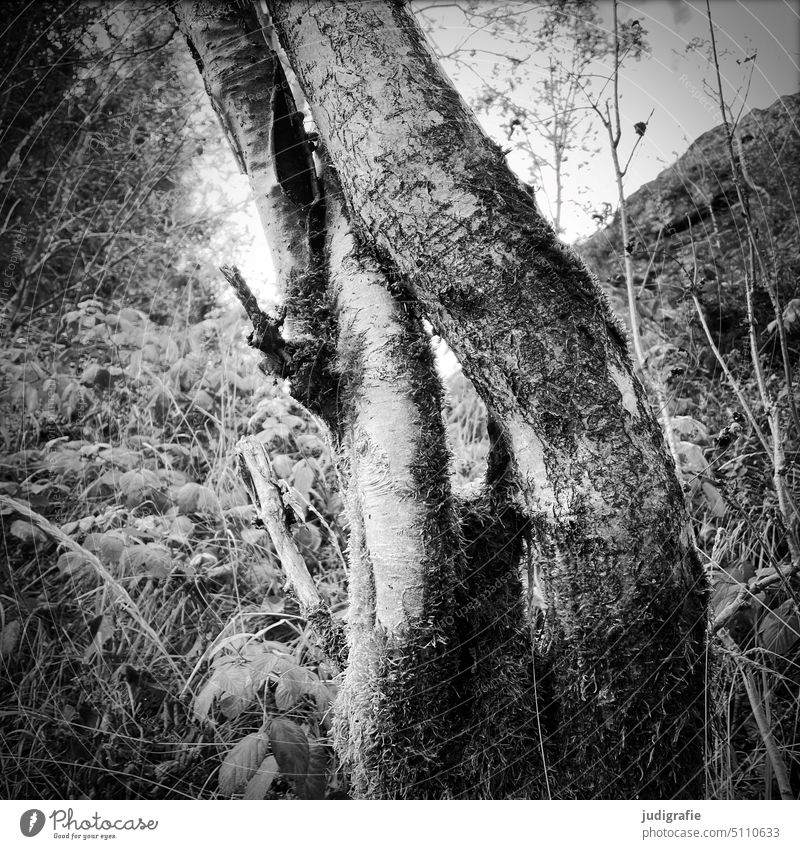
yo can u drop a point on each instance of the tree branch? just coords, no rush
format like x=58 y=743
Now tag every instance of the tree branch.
x=259 y=477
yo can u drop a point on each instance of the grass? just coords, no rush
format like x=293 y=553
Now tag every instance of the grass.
x=102 y=697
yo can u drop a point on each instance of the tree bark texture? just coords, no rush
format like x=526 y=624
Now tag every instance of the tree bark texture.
x=620 y=654
x=404 y=718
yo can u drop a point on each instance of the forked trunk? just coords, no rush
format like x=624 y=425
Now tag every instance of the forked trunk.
x=625 y=619
x=446 y=693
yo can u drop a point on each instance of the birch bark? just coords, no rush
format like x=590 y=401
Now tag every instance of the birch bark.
x=434 y=197
x=385 y=418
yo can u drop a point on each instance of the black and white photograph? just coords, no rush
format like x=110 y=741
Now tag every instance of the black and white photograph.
x=400 y=401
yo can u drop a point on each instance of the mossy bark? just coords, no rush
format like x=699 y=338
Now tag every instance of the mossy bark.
x=405 y=719
x=623 y=633
x=404 y=540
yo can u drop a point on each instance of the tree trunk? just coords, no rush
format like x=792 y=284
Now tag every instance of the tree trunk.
x=445 y=694
x=360 y=358
x=623 y=635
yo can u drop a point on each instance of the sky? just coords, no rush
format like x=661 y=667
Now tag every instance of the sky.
x=669 y=80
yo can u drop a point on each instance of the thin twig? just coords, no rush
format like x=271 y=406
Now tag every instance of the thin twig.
x=773 y=750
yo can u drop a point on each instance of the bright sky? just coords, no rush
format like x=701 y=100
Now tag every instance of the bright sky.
x=670 y=80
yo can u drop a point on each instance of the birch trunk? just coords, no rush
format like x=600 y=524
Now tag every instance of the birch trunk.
x=623 y=634
x=386 y=422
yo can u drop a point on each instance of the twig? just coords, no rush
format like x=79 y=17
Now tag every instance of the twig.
x=243 y=292
x=260 y=479
x=773 y=751
x=266 y=336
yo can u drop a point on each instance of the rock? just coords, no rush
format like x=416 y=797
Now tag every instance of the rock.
x=695 y=200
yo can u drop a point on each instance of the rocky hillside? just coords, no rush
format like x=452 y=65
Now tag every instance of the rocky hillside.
x=691 y=210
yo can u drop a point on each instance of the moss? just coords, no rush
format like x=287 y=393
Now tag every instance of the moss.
x=627 y=725
x=331 y=635
x=399 y=721
x=499 y=692
x=315 y=378
x=447 y=709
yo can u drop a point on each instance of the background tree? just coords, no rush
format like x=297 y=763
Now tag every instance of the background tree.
x=122 y=383
x=539 y=58
x=93 y=172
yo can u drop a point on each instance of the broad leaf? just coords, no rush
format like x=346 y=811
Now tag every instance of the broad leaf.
x=242 y=762
x=108 y=548
x=9 y=637
x=26 y=531
x=780 y=628
x=194 y=498
x=204 y=700
x=303 y=479
x=149 y=559
x=259 y=784
x=290 y=747
x=316 y=780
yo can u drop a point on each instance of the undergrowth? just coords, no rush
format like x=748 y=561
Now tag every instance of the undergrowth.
x=128 y=449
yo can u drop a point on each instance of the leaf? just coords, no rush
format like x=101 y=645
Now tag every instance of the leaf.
x=293 y=422
x=137 y=485
x=181 y=530
x=311 y=445
x=232 y=676
x=273 y=603
x=73 y=564
x=290 y=747
x=780 y=628
x=132 y=315
x=294 y=683
x=259 y=784
x=253 y=536
x=100 y=376
x=691 y=458
x=724 y=589
x=194 y=498
x=109 y=548
x=31 y=399
x=204 y=700
x=282 y=465
x=134 y=481
x=715 y=500
x=234 y=706
x=122 y=457
x=286 y=695
x=203 y=400
x=242 y=762
x=690 y=430
x=261 y=667
x=147 y=559
x=27 y=531
x=307 y=537
x=316 y=780
x=303 y=479
x=9 y=637
x=791 y=315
